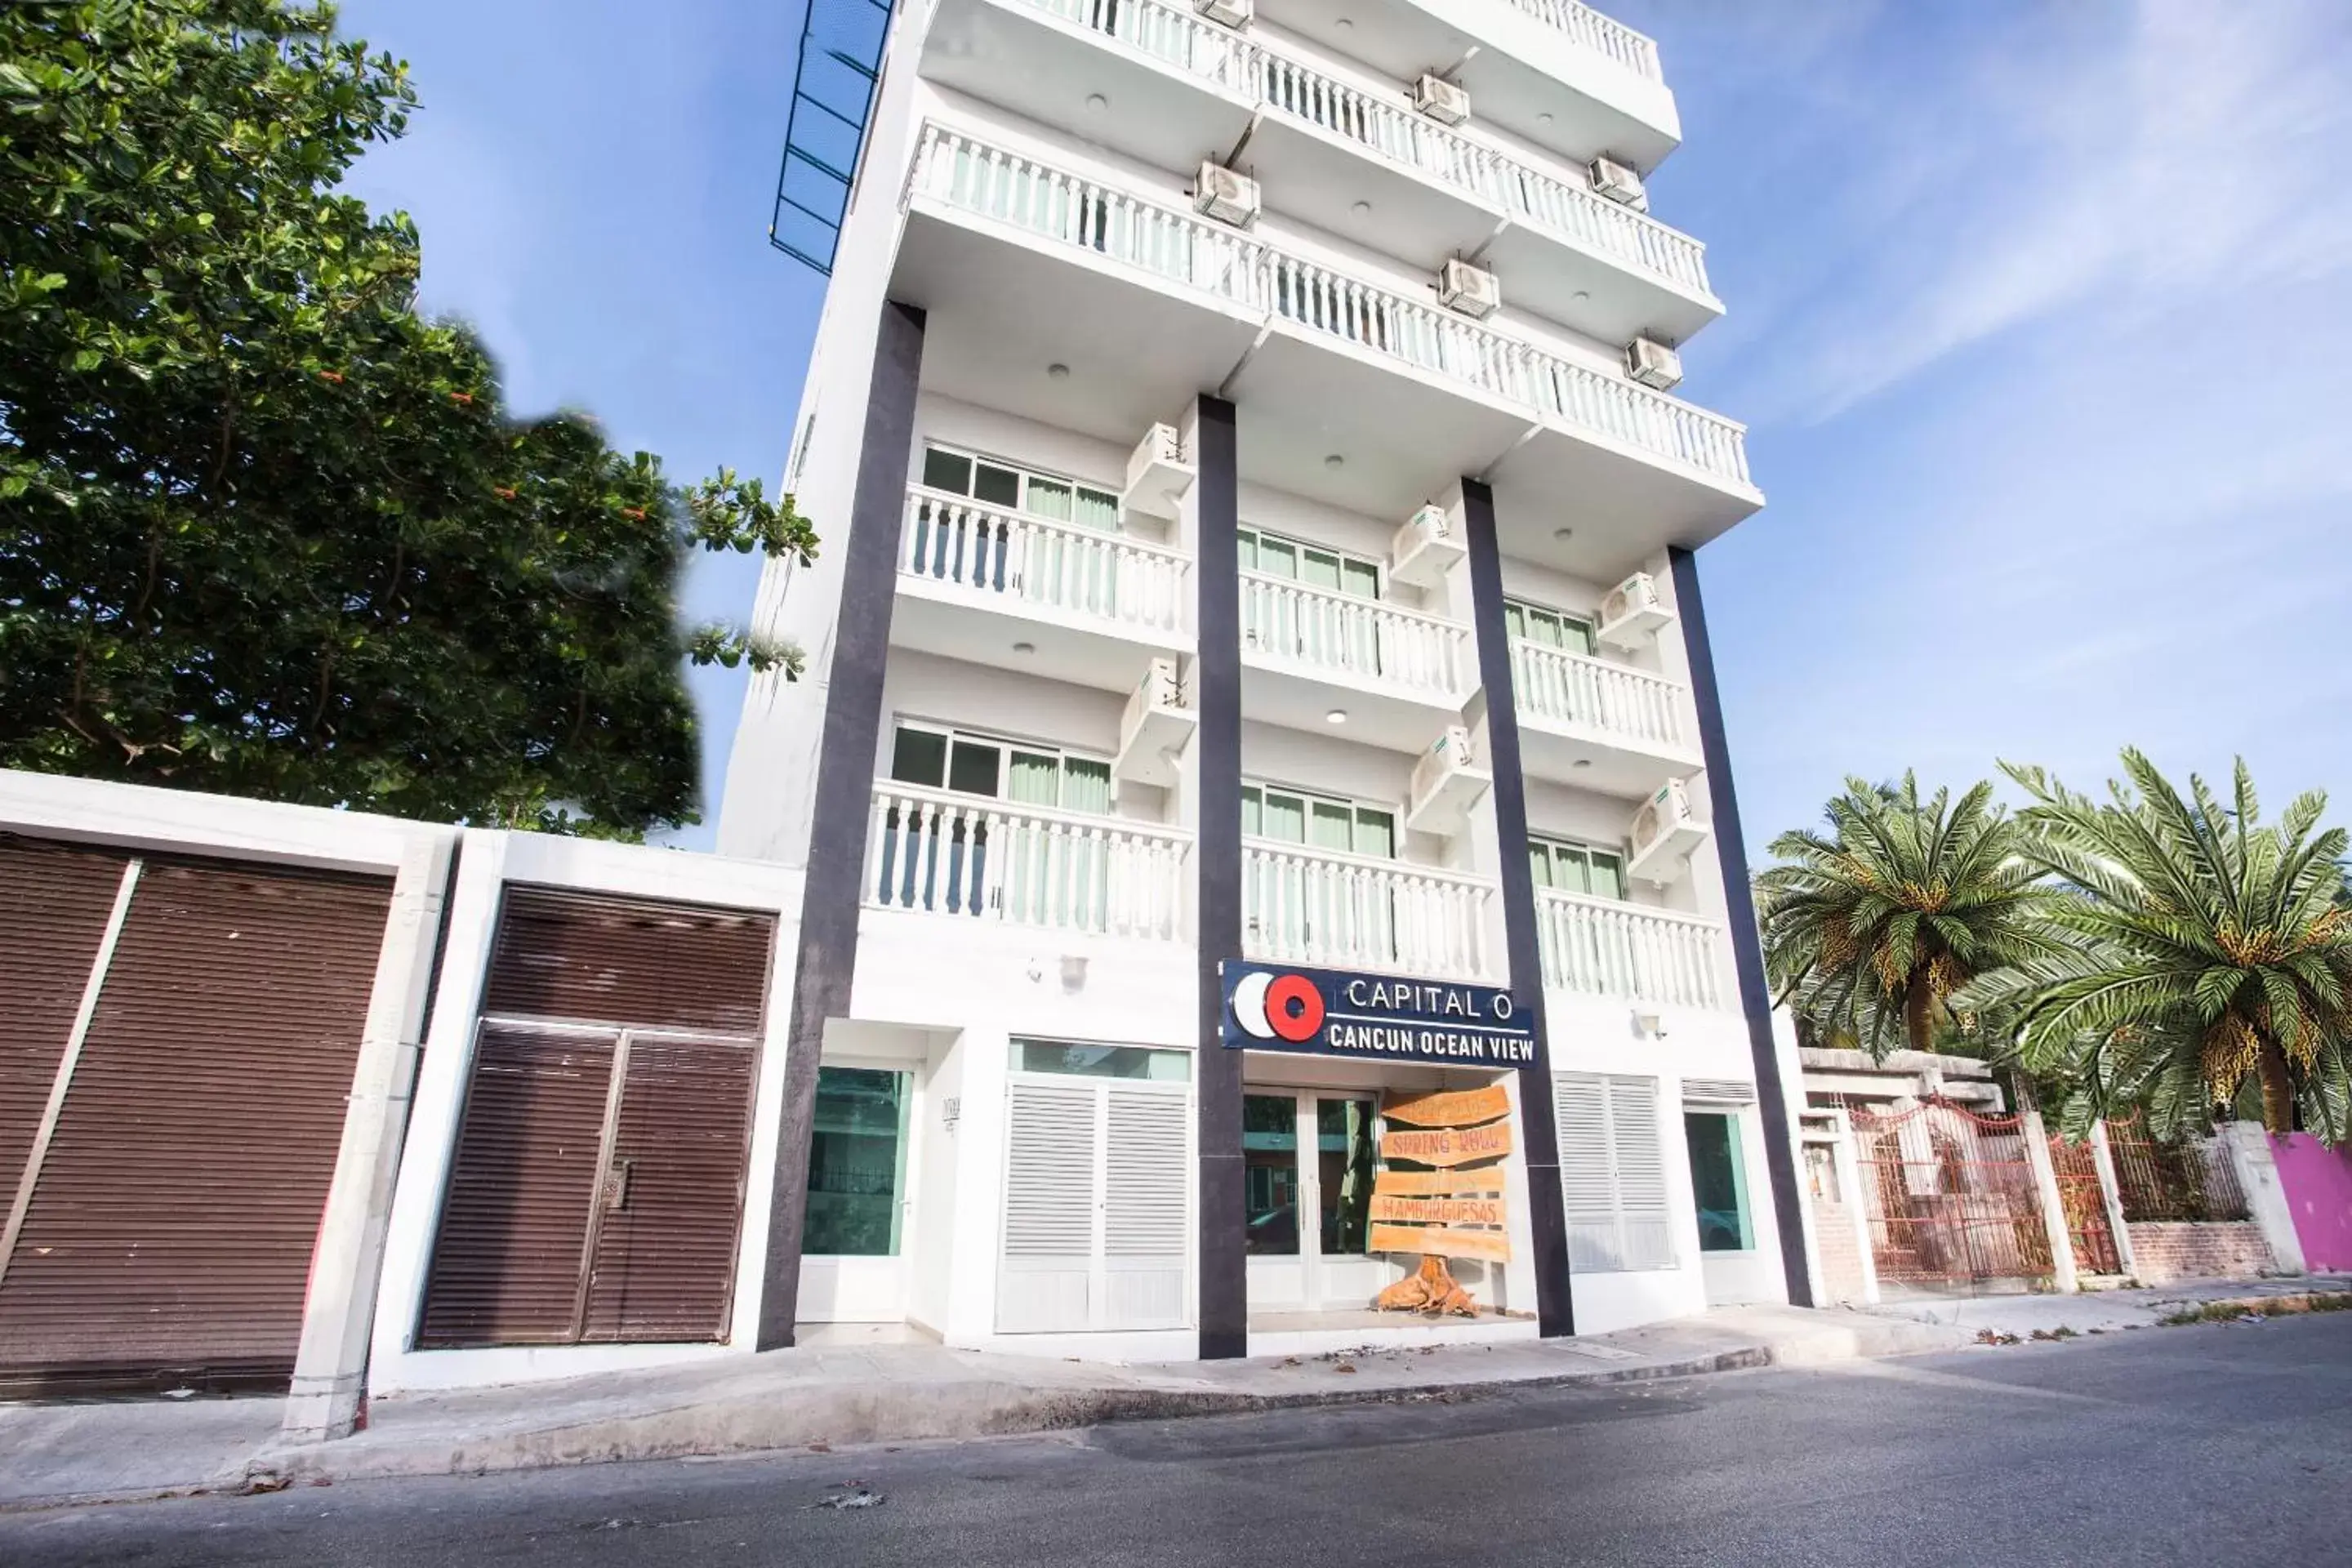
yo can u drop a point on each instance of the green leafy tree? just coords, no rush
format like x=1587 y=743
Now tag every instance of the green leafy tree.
x=263 y=528
x=2206 y=952
x=1871 y=929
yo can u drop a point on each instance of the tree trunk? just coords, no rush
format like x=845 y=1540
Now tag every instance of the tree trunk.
x=2278 y=1087
x=1918 y=1013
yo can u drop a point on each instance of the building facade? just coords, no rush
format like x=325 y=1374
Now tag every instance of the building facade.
x=1257 y=533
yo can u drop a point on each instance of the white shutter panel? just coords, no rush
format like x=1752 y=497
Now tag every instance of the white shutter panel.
x=1641 y=1166
x=1146 y=1217
x=1049 y=1207
x=1587 y=1182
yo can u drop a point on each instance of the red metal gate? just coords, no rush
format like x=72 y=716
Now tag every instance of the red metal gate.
x=1950 y=1197
x=2085 y=1200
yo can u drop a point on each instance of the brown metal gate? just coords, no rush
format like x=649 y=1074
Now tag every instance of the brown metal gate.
x=1950 y=1197
x=175 y=1065
x=2083 y=1198
x=596 y=1191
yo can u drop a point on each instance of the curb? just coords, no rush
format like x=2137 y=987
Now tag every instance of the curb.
x=755 y=1425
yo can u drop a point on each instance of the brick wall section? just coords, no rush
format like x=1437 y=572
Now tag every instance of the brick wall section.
x=1841 y=1257
x=2212 y=1249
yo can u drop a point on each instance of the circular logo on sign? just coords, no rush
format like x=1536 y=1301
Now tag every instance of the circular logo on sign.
x=1278 y=1006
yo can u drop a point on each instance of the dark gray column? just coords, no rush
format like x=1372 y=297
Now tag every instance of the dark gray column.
x=1740 y=914
x=1547 y=1211
x=844 y=785
x=1217 y=856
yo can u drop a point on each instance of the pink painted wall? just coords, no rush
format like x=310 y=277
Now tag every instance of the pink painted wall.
x=2318 y=1183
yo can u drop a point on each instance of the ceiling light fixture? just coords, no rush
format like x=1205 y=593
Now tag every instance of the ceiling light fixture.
x=1337 y=716
x=1362 y=209
x=1335 y=461
x=1563 y=533
x=1097 y=102
x=1058 y=372
x=1025 y=648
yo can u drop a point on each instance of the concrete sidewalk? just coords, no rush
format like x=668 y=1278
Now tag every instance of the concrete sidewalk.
x=827 y=1396
x=2100 y=1311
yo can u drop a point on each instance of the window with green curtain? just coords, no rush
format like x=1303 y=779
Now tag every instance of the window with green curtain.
x=1277 y=558
x=1546 y=628
x=1577 y=868
x=1375 y=833
x=1036 y=779
x=1098 y=509
x=858 y=1163
x=1086 y=785
x=1252 y=813
x=1360 y=578
x=1318 y=569
x=1330 y=826
x=1284 y=819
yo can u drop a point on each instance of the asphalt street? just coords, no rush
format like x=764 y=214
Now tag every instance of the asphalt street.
x=2217 y=1444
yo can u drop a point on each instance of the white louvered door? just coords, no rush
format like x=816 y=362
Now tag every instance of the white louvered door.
x=1051 y=1171
x=1097 y=1206
x=1612 y=1174
x=1146 y=1219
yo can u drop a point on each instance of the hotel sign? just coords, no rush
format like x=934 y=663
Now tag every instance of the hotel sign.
x=1333 y=1012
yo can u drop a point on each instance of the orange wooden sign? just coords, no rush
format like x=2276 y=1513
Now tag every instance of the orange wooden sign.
x=1439 y=1211
x=1448 y=1147
x=1458 y=1108
x=1491 y=1245
x=1436 y=1183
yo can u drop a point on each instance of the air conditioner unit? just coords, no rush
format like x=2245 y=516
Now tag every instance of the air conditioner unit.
x=1154 y=728
x=1441 y=99
x=1618 y=184
x=1157 y=474
x=1653 y=363
x=1447 y=782
x=1666 y=831
x=1225 y=194
x=1472 y=291
x=1632 y=613
x=1427 y=548
x=1227 y=13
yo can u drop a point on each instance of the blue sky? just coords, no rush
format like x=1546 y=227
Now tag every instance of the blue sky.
x=2041 y=317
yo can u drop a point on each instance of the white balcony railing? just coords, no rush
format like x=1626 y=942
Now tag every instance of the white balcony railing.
x=1607 y=948
x=1353 y=638
x=1174 y=36
x=1320 y=907
x=979 y=859
x=1038 y=561
x=1601 y=34
x=1577 y=688
x=1178 y=247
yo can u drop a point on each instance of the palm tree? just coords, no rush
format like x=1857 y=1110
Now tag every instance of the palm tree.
x=2206 y=949
x=1870 y=929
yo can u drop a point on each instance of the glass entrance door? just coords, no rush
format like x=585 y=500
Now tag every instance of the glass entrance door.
x=1309 y=1161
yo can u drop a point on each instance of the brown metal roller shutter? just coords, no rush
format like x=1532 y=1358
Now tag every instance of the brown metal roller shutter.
x=173 y=1223
x=572 y=955
x=506 y=1265
x=54 y=903
x=664 y=1259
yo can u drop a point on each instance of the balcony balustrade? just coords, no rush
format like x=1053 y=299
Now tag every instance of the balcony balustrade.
x=1616 y=699
x=1174 y=247
x=997 y=860
x=1174 y=36
x=1605 y=947
x=1302 y=905
x=1603 y=34
x=1354 y=639
x=1027 y=563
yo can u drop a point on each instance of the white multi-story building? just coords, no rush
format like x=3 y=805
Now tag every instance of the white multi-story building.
x=1257 y=527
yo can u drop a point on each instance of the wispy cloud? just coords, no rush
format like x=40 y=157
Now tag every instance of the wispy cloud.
x=2043 y=169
